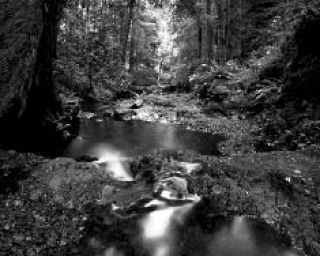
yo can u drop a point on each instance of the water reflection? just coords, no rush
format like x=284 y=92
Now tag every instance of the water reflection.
x=190 y=229
x=137 y=138
x=115 y=142
x=238 y=235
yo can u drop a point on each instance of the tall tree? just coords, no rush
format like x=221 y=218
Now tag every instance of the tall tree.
x=28 y=95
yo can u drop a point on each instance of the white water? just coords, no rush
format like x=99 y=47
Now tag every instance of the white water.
x=156 y=226
x=113 y=162
x=190 y=167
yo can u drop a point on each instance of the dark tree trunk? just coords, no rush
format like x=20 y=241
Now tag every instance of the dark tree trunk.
x=30 y=107
x=200 y=41
x=127 y=31
x=209 y=33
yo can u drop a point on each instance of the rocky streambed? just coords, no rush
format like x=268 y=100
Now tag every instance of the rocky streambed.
x=64 y=207
x=161 y=202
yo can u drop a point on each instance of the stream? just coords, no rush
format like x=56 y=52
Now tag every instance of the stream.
x=136 y=138
x=115 y=142
x=190 y=229
x=169 y=225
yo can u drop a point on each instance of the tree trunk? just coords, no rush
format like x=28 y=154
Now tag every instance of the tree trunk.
x=200 y=41
x=209 y=33
x=132 y=48
x=29 y=104
x=127 y=31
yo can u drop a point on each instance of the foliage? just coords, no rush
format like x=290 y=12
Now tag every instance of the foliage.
x=99 y=40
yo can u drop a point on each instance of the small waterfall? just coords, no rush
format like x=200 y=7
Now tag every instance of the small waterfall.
x=156 y=226
x=114 y=163
x=190 y=167
x=157 y=223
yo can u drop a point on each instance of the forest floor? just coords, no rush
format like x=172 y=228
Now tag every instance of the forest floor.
x=62 y=207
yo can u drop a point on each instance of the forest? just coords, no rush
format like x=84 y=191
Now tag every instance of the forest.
x=160 y=127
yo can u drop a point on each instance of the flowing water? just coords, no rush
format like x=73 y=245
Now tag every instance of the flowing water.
x=188 y=230
x=184 y=227
x=115 y=142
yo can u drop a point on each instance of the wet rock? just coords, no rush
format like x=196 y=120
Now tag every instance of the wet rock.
x=173 y=187
x=138 y=104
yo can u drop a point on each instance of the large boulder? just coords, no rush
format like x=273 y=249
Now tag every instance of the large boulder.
x=172 y=188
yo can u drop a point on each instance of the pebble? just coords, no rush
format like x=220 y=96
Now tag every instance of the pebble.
x=17 y=203
x=18 y=238
x=7 y=227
